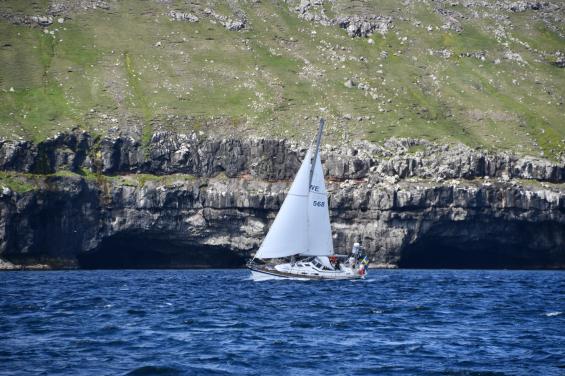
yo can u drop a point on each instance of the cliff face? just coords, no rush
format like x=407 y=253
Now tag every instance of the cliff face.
x=481 y=73
x=182 y=200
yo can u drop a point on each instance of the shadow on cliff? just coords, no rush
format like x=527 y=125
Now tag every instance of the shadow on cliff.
x=486 y=245
x=135 y=251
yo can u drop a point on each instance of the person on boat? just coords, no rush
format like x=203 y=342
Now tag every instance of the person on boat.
x=333 y=261
x=356 y=249
x=355 y=254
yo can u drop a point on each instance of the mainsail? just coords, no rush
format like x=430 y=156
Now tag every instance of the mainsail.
x=302 y=225
x=319 y=230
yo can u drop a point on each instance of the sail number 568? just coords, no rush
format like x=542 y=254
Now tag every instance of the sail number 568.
x=320 y=204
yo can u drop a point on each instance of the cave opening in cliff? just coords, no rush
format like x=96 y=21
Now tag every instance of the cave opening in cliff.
x=139 y=251
x=485 y=245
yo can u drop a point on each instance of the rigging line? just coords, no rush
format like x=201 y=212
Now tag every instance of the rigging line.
x=312 y=166
x=318 y=140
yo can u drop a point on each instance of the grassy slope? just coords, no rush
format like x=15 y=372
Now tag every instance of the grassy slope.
x=133 y=67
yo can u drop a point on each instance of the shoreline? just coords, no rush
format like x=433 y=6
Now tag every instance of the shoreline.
x=6 y=266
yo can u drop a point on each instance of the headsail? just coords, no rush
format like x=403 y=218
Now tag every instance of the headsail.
x=288 y=233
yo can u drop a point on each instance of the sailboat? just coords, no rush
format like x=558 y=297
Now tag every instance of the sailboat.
x=302 y=232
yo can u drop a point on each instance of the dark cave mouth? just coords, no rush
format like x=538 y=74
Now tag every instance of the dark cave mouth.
x=439 y=254
x=449 y=245
x=135 y=251
x=474 y=246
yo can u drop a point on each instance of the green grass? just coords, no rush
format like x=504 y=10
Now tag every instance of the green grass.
x=25 y=182
x=414 y=149
x=17 y=182
x=138 y=98
x=132 y=65
x=140 y=180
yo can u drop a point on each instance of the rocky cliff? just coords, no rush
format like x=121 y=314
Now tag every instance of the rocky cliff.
x=193 y=114
x=191 y=200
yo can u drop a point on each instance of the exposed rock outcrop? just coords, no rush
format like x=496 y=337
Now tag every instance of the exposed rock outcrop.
x=66 y=7
x=218 y=197
x=169 y=153
x=182 y=16
x=231 y=24
x=360 y=23
x=56 y=8
x=363 y=26
x=36 y=20
x=355 y=25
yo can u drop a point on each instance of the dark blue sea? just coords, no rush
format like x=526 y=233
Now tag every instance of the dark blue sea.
x=218 y=322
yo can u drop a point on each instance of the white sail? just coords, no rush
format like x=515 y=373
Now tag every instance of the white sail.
x=288 y=233
x=319 y=230
x=302 y=227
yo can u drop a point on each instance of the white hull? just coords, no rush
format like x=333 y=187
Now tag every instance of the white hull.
x=302 y=272
x=258 y=276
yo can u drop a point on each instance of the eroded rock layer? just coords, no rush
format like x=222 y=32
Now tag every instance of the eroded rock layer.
x=184 y=201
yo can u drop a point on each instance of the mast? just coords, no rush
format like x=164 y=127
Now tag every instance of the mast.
x=312 y=167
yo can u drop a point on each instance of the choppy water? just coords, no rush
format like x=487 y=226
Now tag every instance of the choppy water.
x=218 y=322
